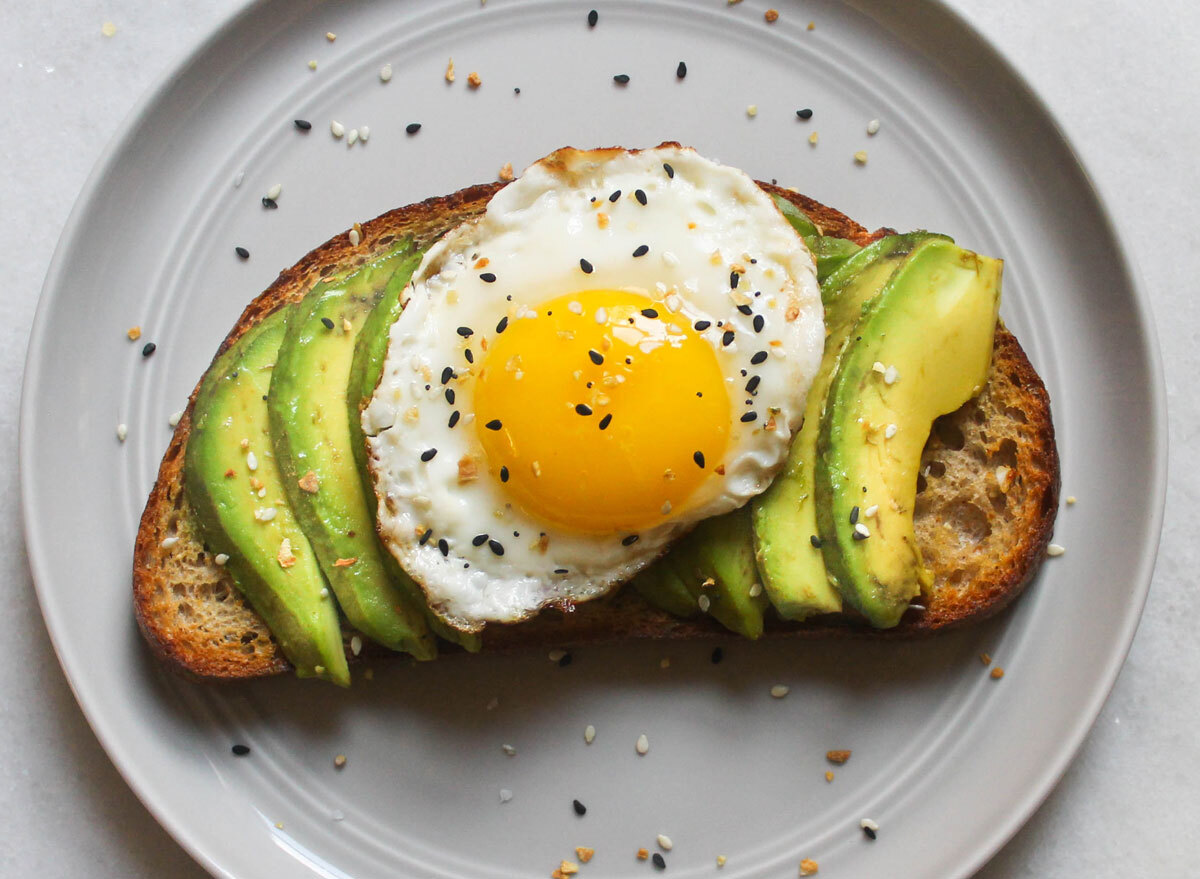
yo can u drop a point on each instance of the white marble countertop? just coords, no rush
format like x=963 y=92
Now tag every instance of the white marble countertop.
x=1124 y=85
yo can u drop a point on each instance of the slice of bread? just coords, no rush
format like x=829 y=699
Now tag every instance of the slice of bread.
x=985 y=509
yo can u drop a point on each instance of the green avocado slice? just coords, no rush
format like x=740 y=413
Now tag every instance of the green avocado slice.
x=661 y=587
x=784 y=516
x=922 y=348
x=269 y=557
x=370 y=353
x=312 y=434
x=830 y=253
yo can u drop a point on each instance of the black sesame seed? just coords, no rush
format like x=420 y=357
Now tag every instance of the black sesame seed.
x=583 y=409
x=443 y=547
x=698 y=457
x=496 y=547
x=240 y=750
x=596 y=357
x=640 y=196
x=469 y=355
x=805 y=113
x=629 y=540
x=479 y=540
x=450 y=396
x=734 y=277
x=563 y=662
x=580 y=808
x=303 y=124
x=870 y=832
x=727 y=338
x=465 y=332
x=269 y=203
x=752 y=385
x=560 y=570
x=613 y=198
x=586 y=266
x=750 y=416
x=503 y=325
x=745 y=309
x=425 y=537
x=593 y=17
x=447 y=374
x=488 y=278
x=816 y=541
x=681 y=70
x=328 y=321
x=242 y=252
x=412 y=127
x=759 y=357
x=670 y=171
x=759 y=323
x=701 y=325
x=642 y=250
x=854 y=515
x=621 y=79
x=454 y=416
x=660 y=863
x=517 y=90
x=649 y=312
x=858 y=535
x=504 y=474
x=494 y=424
x=148 y=349
x=428 y=455
x=606 y=421
x=717 y=655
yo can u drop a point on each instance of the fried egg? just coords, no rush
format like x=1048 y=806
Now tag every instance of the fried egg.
x=619 y=347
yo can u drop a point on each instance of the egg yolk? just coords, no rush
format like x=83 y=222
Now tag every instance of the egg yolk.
x=601 y=412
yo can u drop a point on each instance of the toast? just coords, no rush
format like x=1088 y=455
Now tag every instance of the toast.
x=988 y=495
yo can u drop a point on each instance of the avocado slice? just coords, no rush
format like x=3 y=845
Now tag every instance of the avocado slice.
x=663 y=588
x=370 y=353
x=784 y=516
x=312 y=436
x=922 y=348
x=829 y=252
x=238 y=495
x=716 y=561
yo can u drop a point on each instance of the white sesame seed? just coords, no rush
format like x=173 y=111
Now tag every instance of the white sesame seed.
x=575 y=307
x=861 y=157
x=355 y=645
x=862 y=529
x=505 y=795
x=665 y=509
x=669 y=258
x=871 y=510
x=877 y=366
x=175 y=418
x=868 y=824
x=589 y=734
x=664 y=842
x=262 y=492
x=890 y=431
x=324 y=593
x=779 y=691
x=873 y=127
x=354 y=237
x=1054 y=550
x=122 y=432
x=364 y=133
x=752 y=110
x=721 y=859
x=601 y=316
x=331 y=36
x=275 y=191
x=643 y=744
x=665 y=662
x=336 y=128
x=556 y=655
x=704 y=602
x=756 y=590
x=509 y=750
x=891 y=376
x=312 y=65
x=385 y=73
x=352 y=137
x=264 y=514
x=1070 y=500
x=251 y=461
x=221 y=558
x=168 y=542
x=238 y=178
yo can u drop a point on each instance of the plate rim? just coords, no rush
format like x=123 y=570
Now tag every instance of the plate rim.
x=124 y=760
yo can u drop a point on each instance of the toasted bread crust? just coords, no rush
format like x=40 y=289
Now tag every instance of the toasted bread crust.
x=196 y=621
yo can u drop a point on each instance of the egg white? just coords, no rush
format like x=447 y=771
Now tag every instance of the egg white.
x=533 y=234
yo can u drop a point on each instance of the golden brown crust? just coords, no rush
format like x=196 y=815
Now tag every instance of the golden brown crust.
x=194 y=619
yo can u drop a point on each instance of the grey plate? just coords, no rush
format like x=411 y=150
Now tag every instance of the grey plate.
x=948 y=761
